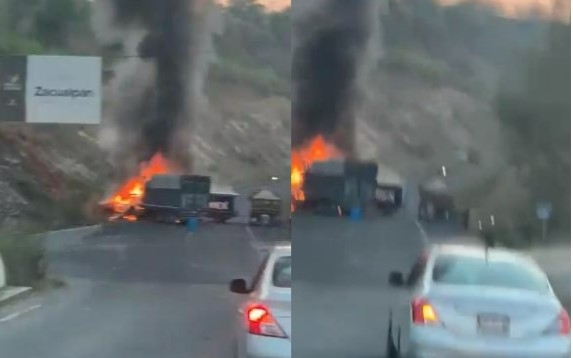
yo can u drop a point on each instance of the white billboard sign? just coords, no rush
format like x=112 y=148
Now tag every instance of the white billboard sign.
x=63 y=89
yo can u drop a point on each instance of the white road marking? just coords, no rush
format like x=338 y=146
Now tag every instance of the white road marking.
x=255 y=243
x=423 y=232
x=19 y=313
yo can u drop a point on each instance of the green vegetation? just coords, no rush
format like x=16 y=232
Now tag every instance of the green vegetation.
x=536 y=111
x=264 y=81
x=465 y=45
x=254 y=48
x=416 y=62
x=471 y=48
x=43 y=26
x=23 y=256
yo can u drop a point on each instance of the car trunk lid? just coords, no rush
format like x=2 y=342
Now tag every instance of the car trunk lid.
x=497 y=312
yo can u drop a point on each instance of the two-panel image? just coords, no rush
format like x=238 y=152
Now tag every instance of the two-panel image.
x=164 y=164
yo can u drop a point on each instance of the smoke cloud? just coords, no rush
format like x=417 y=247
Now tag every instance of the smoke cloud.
x=334 y=43
x=153 y=98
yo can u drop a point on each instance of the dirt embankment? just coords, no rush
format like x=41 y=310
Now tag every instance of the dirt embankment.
x=241 y=135
x=53 y=176
x=416 y=127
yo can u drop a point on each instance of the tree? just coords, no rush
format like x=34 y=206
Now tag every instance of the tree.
x=535 y=110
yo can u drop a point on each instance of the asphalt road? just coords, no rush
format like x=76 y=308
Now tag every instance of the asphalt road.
x=342 y=302
x=137 y=290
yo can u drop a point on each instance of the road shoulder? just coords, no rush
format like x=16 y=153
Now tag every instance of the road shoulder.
x=10 y=294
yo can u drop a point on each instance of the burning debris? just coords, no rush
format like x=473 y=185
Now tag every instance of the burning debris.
x=129 y=194
x=317 y=150
x=333 y=43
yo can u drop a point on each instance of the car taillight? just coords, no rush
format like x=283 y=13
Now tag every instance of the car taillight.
x=423 y=312
x=561 y=325
x=564 y=323
x=261 y=322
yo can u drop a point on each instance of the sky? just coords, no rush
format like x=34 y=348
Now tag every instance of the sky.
x=516 y=8
x=512 y=8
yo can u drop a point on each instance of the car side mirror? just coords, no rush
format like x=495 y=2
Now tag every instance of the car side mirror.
x=239 y=286
x=396 y=279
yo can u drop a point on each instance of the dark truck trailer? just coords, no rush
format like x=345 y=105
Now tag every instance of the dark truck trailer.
x=388 y=197
x=266 y=208
x=451 y=194
x=339 y=185
x=175 y=198
x=221 y=204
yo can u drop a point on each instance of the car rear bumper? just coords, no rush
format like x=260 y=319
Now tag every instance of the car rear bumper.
x=437 y=343
x=267 y=347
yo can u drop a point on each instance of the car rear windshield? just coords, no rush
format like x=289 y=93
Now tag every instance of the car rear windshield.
x=477 y=271
x=282 y=272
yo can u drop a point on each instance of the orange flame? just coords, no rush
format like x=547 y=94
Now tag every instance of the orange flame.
x=130 y=193
x=318 y=149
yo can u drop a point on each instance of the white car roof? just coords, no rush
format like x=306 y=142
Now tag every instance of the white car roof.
x=492 y=253
x=282 y=248
x=275 y=252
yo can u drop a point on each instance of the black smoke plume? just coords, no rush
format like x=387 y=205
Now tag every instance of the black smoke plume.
x=331 y=41
x=162 y=114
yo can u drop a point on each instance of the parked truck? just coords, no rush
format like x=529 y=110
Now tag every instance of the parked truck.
x=175 y=198
x=337 y=186
x=266 y=208
x=452 y=194
x=389 y=193
x=221 y=203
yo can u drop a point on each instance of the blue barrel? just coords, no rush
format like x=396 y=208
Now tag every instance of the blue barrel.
x=355 y=214
x=192 y=224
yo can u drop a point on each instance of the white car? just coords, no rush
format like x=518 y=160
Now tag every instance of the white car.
x=477 y=302
x=264 y=322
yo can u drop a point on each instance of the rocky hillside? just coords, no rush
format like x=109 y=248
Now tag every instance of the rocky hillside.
x=431 y=102
x=244 y=135
x=454 y=89
x=416 y=127
x=47 y=175
x=53 y=175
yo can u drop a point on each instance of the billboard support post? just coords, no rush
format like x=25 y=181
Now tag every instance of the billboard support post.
x=543 y=212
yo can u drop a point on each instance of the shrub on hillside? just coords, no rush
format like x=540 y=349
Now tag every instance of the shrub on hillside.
x=263 y=80
x=417 y=63
x=24 y=259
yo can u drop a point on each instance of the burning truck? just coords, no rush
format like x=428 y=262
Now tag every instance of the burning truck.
x=175 y=198
x=338 y=185
x=162 y=198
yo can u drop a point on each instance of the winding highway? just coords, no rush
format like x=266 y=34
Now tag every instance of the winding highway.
x=142 y=290
x=138 y=290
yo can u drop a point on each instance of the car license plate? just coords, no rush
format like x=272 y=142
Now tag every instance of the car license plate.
x=490 y=324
